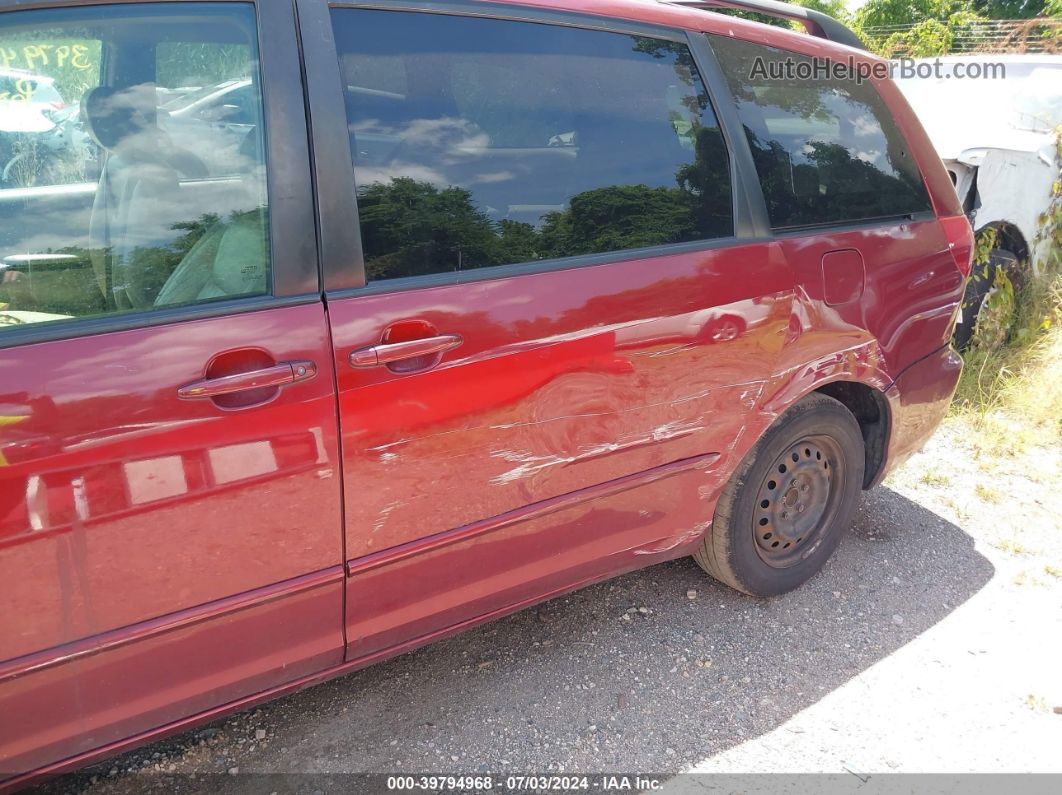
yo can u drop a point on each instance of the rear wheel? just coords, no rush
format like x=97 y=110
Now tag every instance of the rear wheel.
x=782 y=513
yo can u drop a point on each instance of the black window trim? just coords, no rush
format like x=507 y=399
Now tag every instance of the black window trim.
x=404 y=283
x=342 y=261
x=876 y=222
x=293 y=248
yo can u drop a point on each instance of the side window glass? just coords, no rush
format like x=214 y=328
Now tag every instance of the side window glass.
x=826 y=150
x=480 y=142
x=209 y=85
x=133 y=170
x=39 y=142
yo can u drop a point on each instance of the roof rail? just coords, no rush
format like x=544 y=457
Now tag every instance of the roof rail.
x=815 y=22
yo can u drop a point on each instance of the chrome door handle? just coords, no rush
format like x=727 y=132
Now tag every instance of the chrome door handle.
x=277 y=375
x=386 y=353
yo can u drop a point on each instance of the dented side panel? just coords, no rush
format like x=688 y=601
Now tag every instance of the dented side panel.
x=904 y=315
x=565 y=380
x=527 y=555
x=571 y=380
x=912 y=291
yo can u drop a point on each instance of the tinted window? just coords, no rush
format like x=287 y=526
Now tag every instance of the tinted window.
x=480 y=142
x=826 y=150
x=127 y=194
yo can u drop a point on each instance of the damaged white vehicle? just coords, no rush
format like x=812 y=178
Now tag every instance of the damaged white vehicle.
x=994 y=119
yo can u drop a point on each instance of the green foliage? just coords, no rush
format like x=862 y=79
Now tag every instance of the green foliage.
x=617 y=218
x=1015 y=359
x=885 y=13
x=182 y=63
x=983 y=245
x=996 y=319
x=412 y=227
x=834 y=8
x=1050 y=220
x=935 y=24
x=928 y=38
x=1015 y=362
x=1011 y=9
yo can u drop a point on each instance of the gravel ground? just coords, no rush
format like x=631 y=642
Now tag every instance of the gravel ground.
x=930 y=642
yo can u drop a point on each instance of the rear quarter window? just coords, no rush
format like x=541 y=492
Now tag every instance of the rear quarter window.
x=826 y=150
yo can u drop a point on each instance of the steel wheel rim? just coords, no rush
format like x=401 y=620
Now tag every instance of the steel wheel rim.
x=797 y=499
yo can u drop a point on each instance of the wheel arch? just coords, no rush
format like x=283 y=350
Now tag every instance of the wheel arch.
x=871 y=410
x=1010 y=238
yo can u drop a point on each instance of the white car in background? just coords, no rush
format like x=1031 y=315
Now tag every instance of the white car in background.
x=997 y=137
x=27 y=100
x=37 y=127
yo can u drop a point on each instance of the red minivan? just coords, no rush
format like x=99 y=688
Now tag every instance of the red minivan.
x=331 y=328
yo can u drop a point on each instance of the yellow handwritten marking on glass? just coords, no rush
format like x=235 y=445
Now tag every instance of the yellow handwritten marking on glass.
x=37 y=56
x=23 y=92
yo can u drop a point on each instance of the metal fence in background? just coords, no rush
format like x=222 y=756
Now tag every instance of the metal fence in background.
x=1042 y=34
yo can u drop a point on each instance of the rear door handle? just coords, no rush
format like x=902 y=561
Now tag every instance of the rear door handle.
x=277 y=375
x=386 y=353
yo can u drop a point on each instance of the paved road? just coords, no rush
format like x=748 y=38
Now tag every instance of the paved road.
x=913 y=650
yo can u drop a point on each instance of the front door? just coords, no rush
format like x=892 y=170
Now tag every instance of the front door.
x=169 y=477
x=560 y=334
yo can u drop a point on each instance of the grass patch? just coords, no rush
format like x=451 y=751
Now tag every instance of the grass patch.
x=988 y=494
x=1011 y=547
x=935 y=479
x=1011 y=387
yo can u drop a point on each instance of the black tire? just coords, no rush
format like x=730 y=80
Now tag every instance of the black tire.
x=980 y=282
x=750 y=546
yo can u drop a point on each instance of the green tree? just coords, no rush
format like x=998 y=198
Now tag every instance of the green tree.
x=887 y=13
x=1012 y=9
x=411 y=227
x=619 y=217
x=929 y=27
x=519 y=241
x=833 y=8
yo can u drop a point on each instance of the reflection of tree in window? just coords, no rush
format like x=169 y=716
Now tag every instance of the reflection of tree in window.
x=196 y=246
x=685 y=68
x=513 y=142
x=826 y=151
x=411 y=227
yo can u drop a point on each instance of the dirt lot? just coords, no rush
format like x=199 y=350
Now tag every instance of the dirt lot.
x=929 y=643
